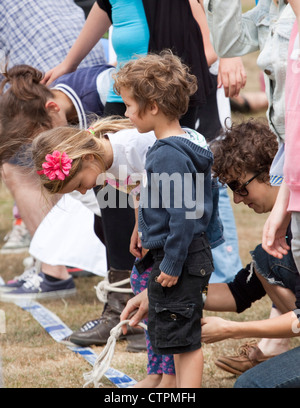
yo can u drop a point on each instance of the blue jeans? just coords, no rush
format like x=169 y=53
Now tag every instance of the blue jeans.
x=226 y=256
x=281 y=272
x=282 y=371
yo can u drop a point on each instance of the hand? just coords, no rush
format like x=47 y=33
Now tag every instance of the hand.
x=138 y=305
x=166 y=280
x=232 y=75
x=214 y=329
x=135 y=247
x=274 y=237
x=56 y=72
x=274 y=232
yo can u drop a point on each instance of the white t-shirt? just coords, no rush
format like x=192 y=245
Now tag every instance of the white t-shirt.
x=129 y=156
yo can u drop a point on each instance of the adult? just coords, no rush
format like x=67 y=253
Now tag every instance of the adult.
x=281 y=280
x=265 y=28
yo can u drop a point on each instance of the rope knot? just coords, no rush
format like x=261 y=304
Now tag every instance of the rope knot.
x=104 y=287
x=103 y=360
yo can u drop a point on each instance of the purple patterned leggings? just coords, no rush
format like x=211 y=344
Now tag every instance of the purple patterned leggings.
x=157 y=364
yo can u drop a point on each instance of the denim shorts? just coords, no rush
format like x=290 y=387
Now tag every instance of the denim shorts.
x=174 y=315
x=282 y=272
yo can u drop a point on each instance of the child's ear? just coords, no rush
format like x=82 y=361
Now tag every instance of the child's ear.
x=88 y=157
x=153 y=108
x=52 y=106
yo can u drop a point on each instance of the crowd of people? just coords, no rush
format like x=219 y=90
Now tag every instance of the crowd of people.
x=143 y=118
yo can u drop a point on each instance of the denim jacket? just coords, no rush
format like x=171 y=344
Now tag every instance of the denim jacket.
x=266 y=28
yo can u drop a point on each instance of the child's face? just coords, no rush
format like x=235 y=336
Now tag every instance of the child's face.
x=143 y=122
x=86 y=178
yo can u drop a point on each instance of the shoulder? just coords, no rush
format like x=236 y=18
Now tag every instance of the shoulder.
x=132 y=138
x=165 y=157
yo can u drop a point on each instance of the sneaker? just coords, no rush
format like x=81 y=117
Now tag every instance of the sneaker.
x=39 y=287
x=17 y=240
x=18 y=281
x=249 y=355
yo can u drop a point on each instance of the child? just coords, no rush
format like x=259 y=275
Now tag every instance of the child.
x=108 y=144
x=72 y=99
x=156 y=91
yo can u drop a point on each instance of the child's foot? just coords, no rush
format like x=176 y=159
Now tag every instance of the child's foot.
x=151 y=381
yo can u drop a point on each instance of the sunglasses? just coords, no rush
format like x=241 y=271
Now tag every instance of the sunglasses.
x=241 y=189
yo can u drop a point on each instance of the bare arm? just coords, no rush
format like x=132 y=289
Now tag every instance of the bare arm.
x=200 y=17
x=216 y=329
x=97 y=23
x=232 y=74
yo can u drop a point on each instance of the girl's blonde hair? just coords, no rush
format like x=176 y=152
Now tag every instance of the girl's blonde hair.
x=160 y=78
x=76 y=144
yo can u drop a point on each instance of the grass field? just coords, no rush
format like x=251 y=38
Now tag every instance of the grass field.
x=32 y=359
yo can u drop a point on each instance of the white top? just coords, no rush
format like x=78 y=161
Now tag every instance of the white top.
x=129 y=155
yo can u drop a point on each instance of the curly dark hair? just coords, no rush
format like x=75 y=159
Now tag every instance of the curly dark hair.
x=247 y=147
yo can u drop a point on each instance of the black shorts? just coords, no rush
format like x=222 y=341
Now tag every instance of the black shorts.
x=174 y=317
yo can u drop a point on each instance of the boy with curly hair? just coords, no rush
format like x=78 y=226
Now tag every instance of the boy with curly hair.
x=156 y=91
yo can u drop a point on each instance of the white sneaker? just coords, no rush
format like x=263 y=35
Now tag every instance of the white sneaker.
x=17 y=240
x=32 y=269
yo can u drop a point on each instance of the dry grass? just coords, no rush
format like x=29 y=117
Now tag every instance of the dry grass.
x=32 y=359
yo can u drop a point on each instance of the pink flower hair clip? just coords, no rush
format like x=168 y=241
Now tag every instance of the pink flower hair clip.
x=57 y=166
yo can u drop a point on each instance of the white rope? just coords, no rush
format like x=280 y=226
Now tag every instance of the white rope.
x=103 y=360
x=104 y=287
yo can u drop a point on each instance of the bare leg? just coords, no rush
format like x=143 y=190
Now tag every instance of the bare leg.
x=219 y=298
x=283 y=298
x=32 y=204
x=157 y=381
x=151 y=381
x=189 y=369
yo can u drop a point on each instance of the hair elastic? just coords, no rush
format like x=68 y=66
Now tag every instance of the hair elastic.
x=91 y=130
